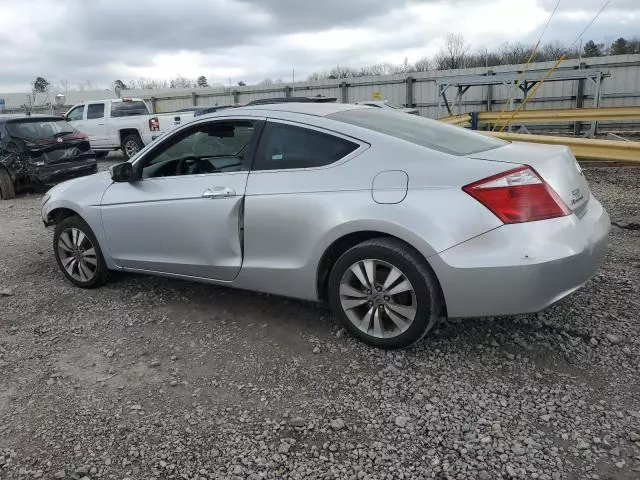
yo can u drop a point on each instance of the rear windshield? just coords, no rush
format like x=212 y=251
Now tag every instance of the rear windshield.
x=33 y=129
x=128 y=109
x=419 y=130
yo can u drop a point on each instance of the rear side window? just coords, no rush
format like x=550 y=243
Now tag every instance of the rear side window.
x=128 y=109
x=286 y=146
x=95 y=110
x=419 y=130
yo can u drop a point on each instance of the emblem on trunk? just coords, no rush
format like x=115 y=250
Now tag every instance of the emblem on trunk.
x=60 y=140
x=577 y=196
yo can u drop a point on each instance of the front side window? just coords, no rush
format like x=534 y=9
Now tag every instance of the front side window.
x=95 y=110
x=217 y=147
x=76 y=113
x=287 y=146
x=419 y=130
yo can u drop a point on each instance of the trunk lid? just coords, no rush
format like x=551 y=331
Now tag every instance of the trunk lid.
x=555 y=164
x=58 y=150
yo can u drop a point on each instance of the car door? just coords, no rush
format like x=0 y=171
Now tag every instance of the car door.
x=95 y=125
x=299 y=184
x=182 y=216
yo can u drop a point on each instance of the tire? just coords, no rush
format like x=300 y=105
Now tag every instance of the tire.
x=405 y=312
x=102 y=153
x=7 y=190
x=131 y=144
x=65 y=241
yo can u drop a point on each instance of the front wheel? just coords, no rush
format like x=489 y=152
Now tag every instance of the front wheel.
x=78 y=253
x=131 y=144
x=384 y=293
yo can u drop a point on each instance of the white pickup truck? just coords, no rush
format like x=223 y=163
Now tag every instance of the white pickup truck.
x=123 y=123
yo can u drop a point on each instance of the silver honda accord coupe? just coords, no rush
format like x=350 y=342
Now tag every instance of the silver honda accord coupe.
x=393 y=220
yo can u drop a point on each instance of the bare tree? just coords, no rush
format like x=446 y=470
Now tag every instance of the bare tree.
x=514 y=53
x=553 y=51
x=341 y=72
x=64 y=85
x=181 y=82
x=266 y=81
x=422 y=65
x=453 y=54
x=84 y=85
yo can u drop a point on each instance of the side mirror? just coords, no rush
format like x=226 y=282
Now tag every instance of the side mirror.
x=121 y=172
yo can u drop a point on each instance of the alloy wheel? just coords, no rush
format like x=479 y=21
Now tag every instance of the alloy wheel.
x=378 y=298
x=131 y=147
x=77 y=255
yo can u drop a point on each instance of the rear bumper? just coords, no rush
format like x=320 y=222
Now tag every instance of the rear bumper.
x=522 y=268
x=64 y=171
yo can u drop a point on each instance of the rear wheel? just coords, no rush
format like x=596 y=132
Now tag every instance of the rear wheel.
x=384 y=293
x=78 y=253
x=131 y=144
x=7 y=189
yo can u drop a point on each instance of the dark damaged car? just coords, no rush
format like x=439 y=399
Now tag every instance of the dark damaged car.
x=41 y=150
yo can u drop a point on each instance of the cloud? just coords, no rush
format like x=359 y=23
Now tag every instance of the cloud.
x=101 y=40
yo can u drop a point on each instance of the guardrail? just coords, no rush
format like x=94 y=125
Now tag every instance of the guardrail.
x=585 y=149
x=547 y=116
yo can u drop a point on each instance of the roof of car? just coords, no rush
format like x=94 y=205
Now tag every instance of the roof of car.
x=18 y=116
x=307 y=108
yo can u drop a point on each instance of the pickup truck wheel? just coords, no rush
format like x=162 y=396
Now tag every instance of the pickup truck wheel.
x=131 y=144
x=7 y=190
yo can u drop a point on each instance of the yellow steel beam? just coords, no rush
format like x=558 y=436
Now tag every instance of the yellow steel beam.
x=583 y=148
x=457 y=119
x=560 y=115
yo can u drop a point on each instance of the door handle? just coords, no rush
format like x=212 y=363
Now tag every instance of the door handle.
x=219 y=192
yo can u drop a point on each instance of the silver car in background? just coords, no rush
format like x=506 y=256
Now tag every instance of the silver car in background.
x=394 y=220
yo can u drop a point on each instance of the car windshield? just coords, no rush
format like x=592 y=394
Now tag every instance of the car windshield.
x=419 y=130
x=34 y=129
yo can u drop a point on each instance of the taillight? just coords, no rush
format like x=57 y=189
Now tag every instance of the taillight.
x=154 y=124
x=518 y=195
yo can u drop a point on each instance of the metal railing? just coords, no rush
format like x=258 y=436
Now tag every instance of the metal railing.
x=548 y=116
x=585 y=149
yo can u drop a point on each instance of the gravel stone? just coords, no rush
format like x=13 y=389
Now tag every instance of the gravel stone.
x=402 y=421
x=337 y=424
x=583 y=445
x=87 y=377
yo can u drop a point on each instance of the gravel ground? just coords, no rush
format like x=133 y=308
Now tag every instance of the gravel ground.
x=154 y=378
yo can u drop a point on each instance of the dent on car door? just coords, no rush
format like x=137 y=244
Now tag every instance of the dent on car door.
x=296 y=191
x=182 y=216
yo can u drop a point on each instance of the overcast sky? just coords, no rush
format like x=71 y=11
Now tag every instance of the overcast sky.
x=249 y=40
